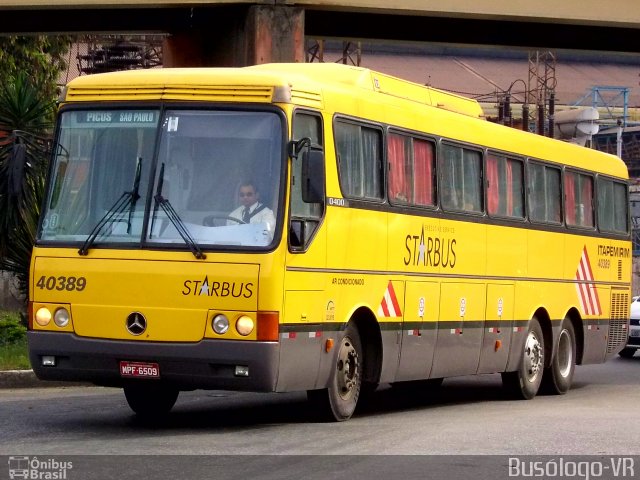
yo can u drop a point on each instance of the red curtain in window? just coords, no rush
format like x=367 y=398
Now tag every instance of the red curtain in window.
x=397 y=179
x=587 y=201
x=570 y=197
x=423 y=172
x=492 y=189
x=510 y=187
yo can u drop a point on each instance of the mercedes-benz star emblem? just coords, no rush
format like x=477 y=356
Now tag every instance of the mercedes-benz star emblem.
x=136 y=323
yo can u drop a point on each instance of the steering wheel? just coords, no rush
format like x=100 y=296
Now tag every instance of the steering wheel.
x=208 y=221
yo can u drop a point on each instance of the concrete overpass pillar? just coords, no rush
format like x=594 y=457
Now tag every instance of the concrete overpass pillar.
x=241 y=37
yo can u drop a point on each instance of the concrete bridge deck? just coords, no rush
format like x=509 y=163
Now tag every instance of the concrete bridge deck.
x=610 y=25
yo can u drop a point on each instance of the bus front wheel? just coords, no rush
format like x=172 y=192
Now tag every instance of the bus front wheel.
x=339 y=400
x=524 y=383
x=150 y=400
x=558 y=377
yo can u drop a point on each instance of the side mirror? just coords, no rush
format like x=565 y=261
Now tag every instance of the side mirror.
x=313 y=176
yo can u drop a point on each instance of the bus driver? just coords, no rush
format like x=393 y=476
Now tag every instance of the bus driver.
x=250 y=209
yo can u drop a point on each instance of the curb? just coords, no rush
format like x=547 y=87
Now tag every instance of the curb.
x=28 y=379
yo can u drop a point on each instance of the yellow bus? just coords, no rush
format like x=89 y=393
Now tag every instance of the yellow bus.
x=319 y=228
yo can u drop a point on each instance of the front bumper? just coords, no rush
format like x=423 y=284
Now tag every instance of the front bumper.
x=208 y=364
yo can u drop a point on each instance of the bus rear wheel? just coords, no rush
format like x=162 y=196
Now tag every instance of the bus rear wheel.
x=150 y=401
x=558 y=377
x=339 y=400
x=524 y=383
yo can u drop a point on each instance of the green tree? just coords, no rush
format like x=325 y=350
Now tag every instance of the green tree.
x=43 y=57
x=25 y=123
x=29 y=70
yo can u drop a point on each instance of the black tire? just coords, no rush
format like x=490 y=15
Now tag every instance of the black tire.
x=339 y=400
x=524 y=383
x=627 y=352
x=558 y=377
x=150 y=401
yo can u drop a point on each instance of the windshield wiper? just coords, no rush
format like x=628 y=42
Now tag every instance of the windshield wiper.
x=134 y=193
x=127 y=199
x=175 y=219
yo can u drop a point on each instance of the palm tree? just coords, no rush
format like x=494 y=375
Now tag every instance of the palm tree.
x=25 y=129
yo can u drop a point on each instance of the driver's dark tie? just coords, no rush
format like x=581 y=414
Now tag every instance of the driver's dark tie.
x=246 y=217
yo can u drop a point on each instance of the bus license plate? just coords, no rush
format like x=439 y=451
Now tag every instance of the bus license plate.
x=139 y=369
x=634 y=333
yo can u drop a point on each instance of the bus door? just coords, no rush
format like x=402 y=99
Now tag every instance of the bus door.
x=460 y=329
x=303 y=323
x=497 y=329
x=421 y=306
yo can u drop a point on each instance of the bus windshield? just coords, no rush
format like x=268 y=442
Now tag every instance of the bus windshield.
x=132 y=176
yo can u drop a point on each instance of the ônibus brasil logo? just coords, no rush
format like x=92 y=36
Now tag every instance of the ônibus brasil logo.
x=40 y=469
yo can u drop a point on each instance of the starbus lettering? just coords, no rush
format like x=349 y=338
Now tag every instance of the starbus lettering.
x=210 y=288
x=430 y=251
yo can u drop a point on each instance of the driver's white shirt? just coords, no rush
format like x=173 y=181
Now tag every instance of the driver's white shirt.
x=263 y=216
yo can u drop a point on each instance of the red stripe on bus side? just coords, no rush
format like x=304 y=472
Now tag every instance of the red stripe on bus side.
x=394 y=300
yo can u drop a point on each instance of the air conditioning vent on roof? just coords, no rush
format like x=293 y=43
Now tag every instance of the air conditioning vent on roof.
x=174 y=92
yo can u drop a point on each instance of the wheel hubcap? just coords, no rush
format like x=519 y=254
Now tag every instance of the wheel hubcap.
x=565 y=353
x=532 y=357
x=347 y=369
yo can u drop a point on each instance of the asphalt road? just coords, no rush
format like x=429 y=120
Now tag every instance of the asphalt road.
x=467 y=416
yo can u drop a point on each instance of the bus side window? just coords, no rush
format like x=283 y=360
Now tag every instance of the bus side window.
x=359 y=150
x=578 y=198
x=613 y=206
x=621 y=207
x=410 y=170
x=504 y=186
x=461 y=179
x=544 y=193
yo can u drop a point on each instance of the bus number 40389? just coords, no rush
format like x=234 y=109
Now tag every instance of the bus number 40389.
x=62 y=283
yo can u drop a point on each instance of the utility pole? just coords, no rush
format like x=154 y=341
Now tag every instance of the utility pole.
x=541 y=87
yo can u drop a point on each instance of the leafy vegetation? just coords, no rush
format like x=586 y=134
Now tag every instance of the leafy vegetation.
x=13 y=342
x=11 y=329
x=29 y=69
x=43 y=57
x=25 y=120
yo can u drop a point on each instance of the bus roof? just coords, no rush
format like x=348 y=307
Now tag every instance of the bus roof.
x=311 y=84
x=275 y=82
x=372 y=81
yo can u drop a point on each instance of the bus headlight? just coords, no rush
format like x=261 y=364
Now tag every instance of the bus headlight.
x=244 y=325
x=220 y=324
x=43 y=317
x=61 y=317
